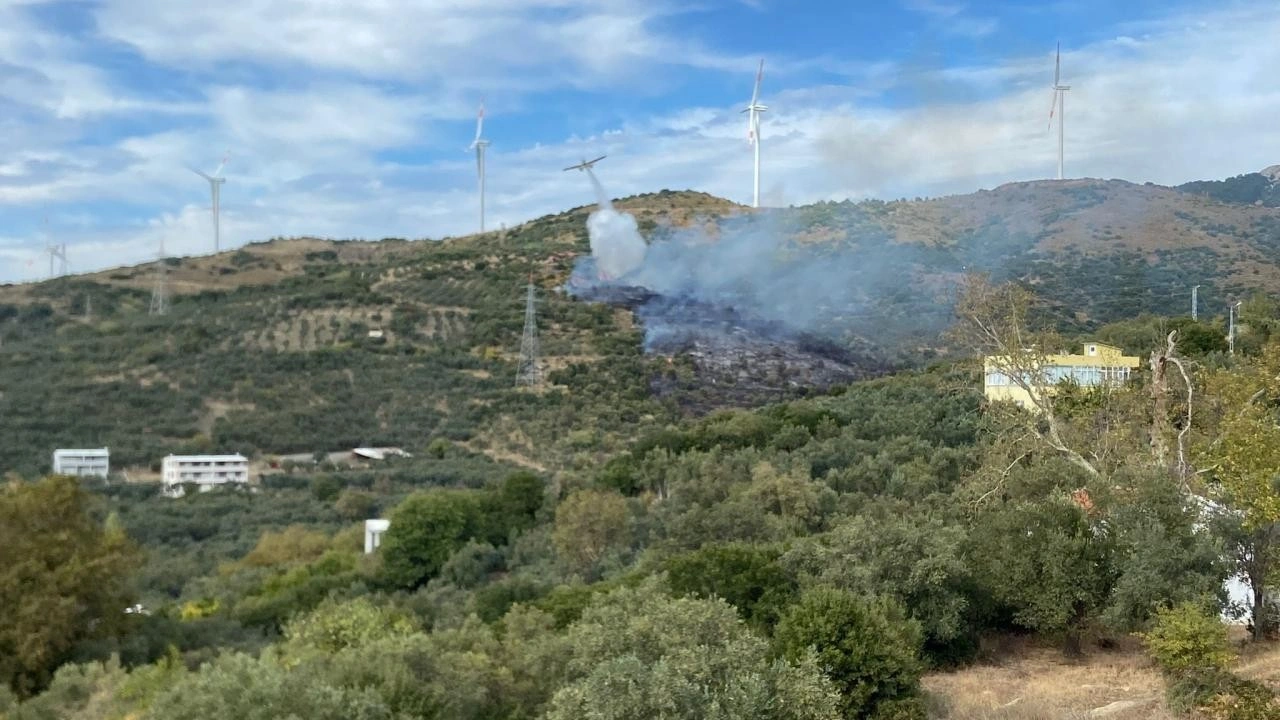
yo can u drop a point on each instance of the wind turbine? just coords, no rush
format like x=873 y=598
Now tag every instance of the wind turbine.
x=215 y=190
x=57 y=252
x=753 y=131
x=1059 y=100
x=479 y=145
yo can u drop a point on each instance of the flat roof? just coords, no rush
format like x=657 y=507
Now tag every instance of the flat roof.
x=82 y=451
x=207 y=458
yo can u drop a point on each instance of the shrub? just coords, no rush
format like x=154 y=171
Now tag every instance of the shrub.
x=866 y=646
x=1187 y=638
x=1219 y=695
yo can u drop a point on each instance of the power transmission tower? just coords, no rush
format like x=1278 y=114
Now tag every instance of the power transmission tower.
x=529 y=372
x=160 y=291
x=1195 y=302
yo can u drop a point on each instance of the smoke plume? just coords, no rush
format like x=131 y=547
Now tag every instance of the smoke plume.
x=616 y=244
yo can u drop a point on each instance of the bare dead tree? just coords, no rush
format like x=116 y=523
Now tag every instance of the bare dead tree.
x=993 y=321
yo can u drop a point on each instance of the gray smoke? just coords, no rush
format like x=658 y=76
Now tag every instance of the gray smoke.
x=753 y=269
x=776 y=273
x=616 y=244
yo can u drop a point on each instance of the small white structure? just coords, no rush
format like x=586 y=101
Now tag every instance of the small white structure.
x=373 y=530
x=206 y=471
x=378 y=453
x=82 y=463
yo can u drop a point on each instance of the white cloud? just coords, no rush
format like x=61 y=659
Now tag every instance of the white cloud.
x=345 y=150
x=477 y=44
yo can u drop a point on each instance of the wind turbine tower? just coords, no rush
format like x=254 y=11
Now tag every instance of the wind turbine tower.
x=215 y=191
x=57 y=253
x=1059 y=100
x=753 y=131
x=479 y=145
x=529 y=371
x=160 y=291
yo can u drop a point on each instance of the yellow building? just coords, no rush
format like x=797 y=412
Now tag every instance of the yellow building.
x=1098 y=366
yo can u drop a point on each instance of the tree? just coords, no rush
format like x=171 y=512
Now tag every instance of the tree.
x=1245 y=461
x=512 y=507
x=240 y=686
x=356 y=504
x=1096 y=429
x=749 y=577
x=994 y=321
x=912 y=555
x=1043 y=562
x=589 y=523
x=63 y=578
x=294 y=545
x=866 y=646
x=427 y=528
x=639 y=653
x=335 y=625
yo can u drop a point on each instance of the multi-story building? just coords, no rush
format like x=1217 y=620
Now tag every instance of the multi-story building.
x=82 y=463
x=204 y=471
x=1098 y=366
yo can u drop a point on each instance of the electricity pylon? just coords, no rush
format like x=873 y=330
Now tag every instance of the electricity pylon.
x=529 y=371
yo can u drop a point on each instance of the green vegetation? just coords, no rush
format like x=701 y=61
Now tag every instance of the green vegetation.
x=586 y=550
x=63 y=579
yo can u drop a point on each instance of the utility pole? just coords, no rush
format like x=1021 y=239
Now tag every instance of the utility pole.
x=1195 y=305
x=1231 y=329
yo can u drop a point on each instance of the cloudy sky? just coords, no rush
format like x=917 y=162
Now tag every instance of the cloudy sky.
x=351 y=119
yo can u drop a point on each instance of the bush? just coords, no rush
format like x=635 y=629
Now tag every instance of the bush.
x=866 y=646
x=1187 y=638
x=1219 y=695
x=746 y=576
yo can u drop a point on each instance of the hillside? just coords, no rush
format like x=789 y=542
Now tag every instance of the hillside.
x=1260 y=188
x=267 y=349
x=614 y=528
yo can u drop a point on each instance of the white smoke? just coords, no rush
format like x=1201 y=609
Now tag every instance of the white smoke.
x=616 y=244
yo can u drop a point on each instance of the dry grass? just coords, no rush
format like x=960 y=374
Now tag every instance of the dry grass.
x=1042 y=683
x=1034 y=683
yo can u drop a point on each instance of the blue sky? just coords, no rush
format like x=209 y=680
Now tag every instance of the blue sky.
x=350 y=119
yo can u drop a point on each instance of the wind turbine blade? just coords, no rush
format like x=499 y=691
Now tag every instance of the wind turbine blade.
x=1053 y=107
x=479 y=125
x=1057 y=65
x=201 y=174
x=221 y=165
x=755 y=93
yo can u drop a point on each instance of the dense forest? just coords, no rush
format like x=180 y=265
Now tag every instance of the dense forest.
x=591 y=548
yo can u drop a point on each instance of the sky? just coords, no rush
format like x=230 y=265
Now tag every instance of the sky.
x=352 y=119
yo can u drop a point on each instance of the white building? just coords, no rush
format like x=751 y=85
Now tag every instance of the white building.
x=373 y=530
x=205 y=471
x=82 y=463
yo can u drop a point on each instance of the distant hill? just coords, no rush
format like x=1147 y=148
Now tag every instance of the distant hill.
x=1260 y=188
x=268 y=349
